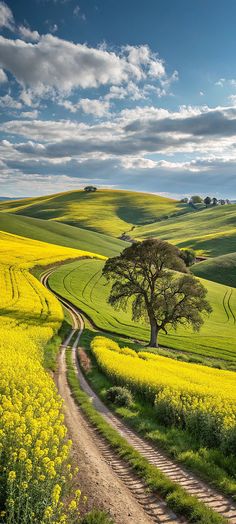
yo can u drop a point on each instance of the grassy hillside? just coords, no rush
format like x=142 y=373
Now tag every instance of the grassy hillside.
x=213 y=231
x=81 y=282
x=106 y=211
x=61 y=234
x=220 y=269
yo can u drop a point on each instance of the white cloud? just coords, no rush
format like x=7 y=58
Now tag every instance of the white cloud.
x=144 y=62
x=132 y=133
x=30 y=114
x=131 y=91
x=98 y=108
x=6 y=16
x=138 y=163
x=53 y=64
x=3 y=77
x=27 y=34
x=220 y=82
x=27 y=97
x=7 y=101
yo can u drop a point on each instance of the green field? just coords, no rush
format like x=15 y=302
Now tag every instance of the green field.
x=81 y=283
x=61 y=234
x=220 y=269
x=211 y=231
x=106 y=211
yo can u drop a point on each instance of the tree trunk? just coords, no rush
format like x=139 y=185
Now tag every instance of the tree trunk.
x=154 y=334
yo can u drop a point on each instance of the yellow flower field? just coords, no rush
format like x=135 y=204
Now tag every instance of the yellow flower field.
x=34 y=450
x=195 y=397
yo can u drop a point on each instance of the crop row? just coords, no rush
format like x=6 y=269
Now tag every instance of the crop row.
x=191 y=396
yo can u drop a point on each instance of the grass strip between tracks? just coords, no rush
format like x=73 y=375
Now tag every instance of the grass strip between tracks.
x=176 y=497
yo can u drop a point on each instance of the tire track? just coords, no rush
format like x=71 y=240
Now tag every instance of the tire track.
x=229 y=306
x=225 y=304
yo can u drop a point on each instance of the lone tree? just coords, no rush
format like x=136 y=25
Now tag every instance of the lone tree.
x=90 y=189
x=144 y=273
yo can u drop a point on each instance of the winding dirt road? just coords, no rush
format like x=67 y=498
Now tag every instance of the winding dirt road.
x=105 y=478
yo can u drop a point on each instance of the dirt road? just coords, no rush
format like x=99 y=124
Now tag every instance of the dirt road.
x=100 y=467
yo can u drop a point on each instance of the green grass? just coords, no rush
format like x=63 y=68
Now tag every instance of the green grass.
x=220 y=269
x=176 y=497
x=106 y=211
x=51 y=350
x=61 y=234
x=211 y=464
x=211 y=231
x=82 y=284
x=141 y=215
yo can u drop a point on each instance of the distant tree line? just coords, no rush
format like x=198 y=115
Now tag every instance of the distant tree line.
x=208 y=201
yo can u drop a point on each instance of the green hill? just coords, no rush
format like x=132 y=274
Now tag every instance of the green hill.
x=61 y=234
x=106 y=211
x=83 y=284
x=211 y=231
x=220 y=269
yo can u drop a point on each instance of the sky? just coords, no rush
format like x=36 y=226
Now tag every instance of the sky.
x=127 y=94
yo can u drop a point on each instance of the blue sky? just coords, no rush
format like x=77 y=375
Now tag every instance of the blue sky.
x=129 y=94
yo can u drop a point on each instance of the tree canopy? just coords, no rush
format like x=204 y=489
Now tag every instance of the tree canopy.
x=143 y=275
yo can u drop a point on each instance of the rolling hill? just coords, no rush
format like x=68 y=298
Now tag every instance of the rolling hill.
x=211 y=231
x=220 y=269
x=82 y=283
x=61 y=234
x=106 y=211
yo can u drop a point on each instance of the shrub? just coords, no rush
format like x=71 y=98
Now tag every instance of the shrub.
x=120 y=396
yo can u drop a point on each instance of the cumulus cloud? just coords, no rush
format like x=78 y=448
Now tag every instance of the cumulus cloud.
x=96 y=107
x=6 y=16
x=142 y=57
x=60 y=65
x=27 y=34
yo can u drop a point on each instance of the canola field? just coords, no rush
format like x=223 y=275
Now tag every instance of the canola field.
x=34 y=449
x=199 y=399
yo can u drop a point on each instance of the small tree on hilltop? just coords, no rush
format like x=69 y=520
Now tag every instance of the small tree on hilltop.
x=90 y=189
x=207 y=201
x=143 y=273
